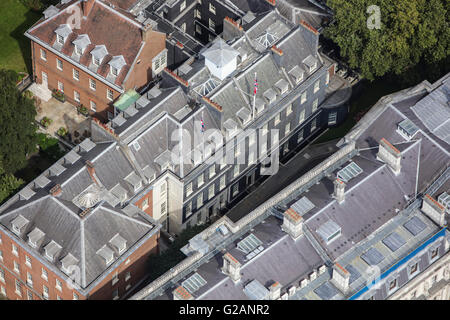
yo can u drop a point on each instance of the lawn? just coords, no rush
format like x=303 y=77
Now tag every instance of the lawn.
x=15 y=50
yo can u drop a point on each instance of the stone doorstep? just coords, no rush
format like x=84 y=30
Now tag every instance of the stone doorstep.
x=40 y=91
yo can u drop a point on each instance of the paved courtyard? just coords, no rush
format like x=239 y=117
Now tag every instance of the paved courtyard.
x=63 y=115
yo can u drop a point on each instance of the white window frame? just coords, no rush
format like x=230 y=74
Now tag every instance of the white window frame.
x=189 y=189
x=277 y=119
x=200 y=180
x=315 y=105
x=109 y=94
x=212 y=8
x=289 y=110
x=77 y=73
x=78 y=50
x=92 y=84
x=211 y=191
x=44 y=274
x=303 y=97
x=212 y=171
x=211 y=24
x=200 y=200
x=76 y=96
x=61 y=86
x=16 y=267
x=93 y=106
x=59 y=64
x=43 y=54
x=60 y=39
x=317 y=86
x=14 y=250
x=287 y=129
x=58 y=285
x=222 y=182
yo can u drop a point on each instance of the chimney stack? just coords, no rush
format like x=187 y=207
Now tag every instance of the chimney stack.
x=231 y=267
x=231 y=29
x=56 y=190
x=340 y=278
x=181 y=293
x=390 y=154
x=86 y=6
x=293 y=223
x=339 y=190
x=275 y=291
x=434 y=210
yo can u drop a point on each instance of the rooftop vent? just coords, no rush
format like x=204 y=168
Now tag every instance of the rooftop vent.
x=221 y=59
x=256 y=291
x=329 y=231
x=407 y=129
x=19 y=224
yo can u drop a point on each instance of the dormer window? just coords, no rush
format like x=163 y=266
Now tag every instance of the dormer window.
x=62 y=33
x=80 y=43
x=98 y=54
x=78 y=50
x=19 y=224
x=60 y=39
x=106 y=253
x=119 y=243
x=116 y=64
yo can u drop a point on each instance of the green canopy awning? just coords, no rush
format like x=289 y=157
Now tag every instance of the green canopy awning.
x=127 y=99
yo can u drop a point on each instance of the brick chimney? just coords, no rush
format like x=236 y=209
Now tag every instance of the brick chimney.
x=91 y=170
x=339 y=190
x=86 y=6
x=181 y=293
x=231 y=29
x=277 y=54
x=390 y=155
x=231 y=267
x=56 y=190
x=434 y=210
x=293 y=223
x=340 y=278
x=275 y=291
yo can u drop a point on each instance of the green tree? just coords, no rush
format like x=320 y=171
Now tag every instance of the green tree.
x=17 y=127
x=8 y=184
x=414 y=37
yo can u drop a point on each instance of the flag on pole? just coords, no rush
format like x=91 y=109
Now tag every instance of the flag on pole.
x=203 y=125
x=256 y=85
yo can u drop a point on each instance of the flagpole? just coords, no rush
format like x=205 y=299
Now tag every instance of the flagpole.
x=254 y=99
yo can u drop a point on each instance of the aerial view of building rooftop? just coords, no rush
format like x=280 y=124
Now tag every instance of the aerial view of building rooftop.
x=224 y=150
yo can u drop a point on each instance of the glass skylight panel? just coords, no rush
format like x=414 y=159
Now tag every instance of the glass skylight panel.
x=415 y=226
x=267 y=39
x=329 y=231
x=408 y=128
x=354 y=274
x=303 y=205
x=193 y=283
x=256 y=291
x=372 y=257
x=444 y=199
x=205 y=88
x=249 y=244
x=394 y=241
x=349 y=172
x=326 y=291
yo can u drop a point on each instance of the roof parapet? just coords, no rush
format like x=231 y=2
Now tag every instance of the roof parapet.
x=309 y=27
x=212 y=104
x=176 y=77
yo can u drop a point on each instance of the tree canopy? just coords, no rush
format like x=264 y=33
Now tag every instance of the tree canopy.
x=8 y=184
x=17 y=127
x=414 y=37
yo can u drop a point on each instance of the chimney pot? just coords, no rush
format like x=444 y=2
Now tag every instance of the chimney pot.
x=231 y=267
x=434 y=210
x=293 y=223
x=56 y=190
x=275 y=291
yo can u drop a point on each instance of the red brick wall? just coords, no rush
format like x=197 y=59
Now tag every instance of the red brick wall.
x=155 y=42
x=137 y=266
x=70 y=84
x=149 y=209
x=36 y=273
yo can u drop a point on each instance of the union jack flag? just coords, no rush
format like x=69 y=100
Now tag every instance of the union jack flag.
x=203 y=125
x=256 y=86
